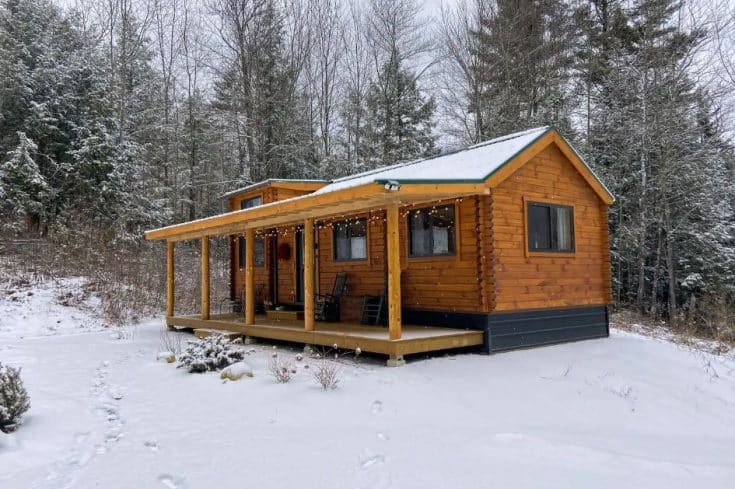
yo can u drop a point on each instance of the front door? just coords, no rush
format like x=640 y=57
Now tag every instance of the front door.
x=299 y=266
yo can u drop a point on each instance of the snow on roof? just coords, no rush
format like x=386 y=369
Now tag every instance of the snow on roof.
x=270 y=181
x=471 y=164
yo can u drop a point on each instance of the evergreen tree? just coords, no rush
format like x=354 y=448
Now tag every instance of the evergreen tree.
x=651 y=136
x=399 y=124
x=523 y=50
x=23 y=189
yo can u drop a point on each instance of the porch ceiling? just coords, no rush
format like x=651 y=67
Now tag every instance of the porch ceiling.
x=315 y=206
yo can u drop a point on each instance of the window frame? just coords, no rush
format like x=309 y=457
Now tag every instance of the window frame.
x=527 y=202
x=258 y=197
x=241 y=252
x=367 y=240
x=433 y=256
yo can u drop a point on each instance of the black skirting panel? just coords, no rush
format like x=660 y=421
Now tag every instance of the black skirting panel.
x=510 y=330
x=521 y=329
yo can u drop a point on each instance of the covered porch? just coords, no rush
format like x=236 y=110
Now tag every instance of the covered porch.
x=307 y=211
x=351 y=336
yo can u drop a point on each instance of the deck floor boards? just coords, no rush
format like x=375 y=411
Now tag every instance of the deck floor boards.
x=374 y=339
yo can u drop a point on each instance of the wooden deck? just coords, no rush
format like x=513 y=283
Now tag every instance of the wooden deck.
x=374 y=339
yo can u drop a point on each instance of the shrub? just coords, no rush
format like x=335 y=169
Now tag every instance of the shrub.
x=214 y=352
x=14 y=400
x=327 y=374
x=170 y=342
x=282 y=370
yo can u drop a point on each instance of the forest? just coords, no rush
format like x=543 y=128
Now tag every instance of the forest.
x=117 y=116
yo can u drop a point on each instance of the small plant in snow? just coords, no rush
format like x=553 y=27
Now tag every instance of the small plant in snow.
x=211 y=353
x=14 y=400
x=327 y=375
x=282 y=370
x=169 y=343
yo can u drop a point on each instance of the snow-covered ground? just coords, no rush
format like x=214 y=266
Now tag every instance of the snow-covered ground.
x=628 y=411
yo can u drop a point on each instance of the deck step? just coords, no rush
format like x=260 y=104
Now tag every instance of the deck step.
x=205 y=332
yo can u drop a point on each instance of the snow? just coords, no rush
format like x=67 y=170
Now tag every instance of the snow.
x=627 y=411
x=51 y=307
x=236 y=371
x=474 y=163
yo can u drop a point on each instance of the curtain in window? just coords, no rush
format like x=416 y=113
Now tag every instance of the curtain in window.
x=420 y=233
x=342 y=242
x=564 y=228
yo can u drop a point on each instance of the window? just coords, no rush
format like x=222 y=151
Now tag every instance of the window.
x=431 y=231
x=252 y=202
x=350 y=240
x=550 y=227
x=259 y=259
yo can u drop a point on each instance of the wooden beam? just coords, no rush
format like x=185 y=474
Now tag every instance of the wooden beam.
x=250 y=276
x=205 y=277
x=394 y=272
x=309 y=274
x=296 y=209
x=170 y=278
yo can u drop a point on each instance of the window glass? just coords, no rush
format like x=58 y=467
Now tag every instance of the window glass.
x=432 y=231
x=259 y=258
x=350 y=240
x=550 y=227
x=539 y=227
x=253 y=202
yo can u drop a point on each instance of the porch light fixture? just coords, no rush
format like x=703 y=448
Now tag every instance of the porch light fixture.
x=392 y=186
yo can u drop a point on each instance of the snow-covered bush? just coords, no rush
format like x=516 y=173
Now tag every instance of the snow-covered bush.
x=236 y=371
x=327 y=374
x=282 y=370
x=214 y=352
x=14 y=400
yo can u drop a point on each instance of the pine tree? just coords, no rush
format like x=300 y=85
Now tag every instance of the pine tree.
x=523 y=50
x=651 y=136
x=399 y=119
x=23 y=188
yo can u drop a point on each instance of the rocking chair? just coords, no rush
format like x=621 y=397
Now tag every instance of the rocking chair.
x=375 y=309
x=326 y=307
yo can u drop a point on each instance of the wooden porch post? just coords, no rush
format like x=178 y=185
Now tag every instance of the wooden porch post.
x=249 y=276
x=394 y=273
x=309 y=274
x=205 y=277
x=170 y=278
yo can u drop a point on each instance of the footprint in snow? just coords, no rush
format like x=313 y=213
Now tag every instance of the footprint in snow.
x=151 y=445
x=370 y=461
x=377 y=407
x=171 y=482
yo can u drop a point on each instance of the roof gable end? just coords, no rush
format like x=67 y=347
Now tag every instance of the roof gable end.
x=549 y=137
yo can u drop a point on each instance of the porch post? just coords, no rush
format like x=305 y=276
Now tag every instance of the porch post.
x=205 y=277
x=394 y=273
x=170 y=278
x=309 y=274
x=249 y=276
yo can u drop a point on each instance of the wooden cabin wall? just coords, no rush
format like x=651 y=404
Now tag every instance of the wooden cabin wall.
x=286 y=268
x=450 y=283
x=524 y=282
x=364 y=277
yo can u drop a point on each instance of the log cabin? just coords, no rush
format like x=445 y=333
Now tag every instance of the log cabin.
x=496 y=246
